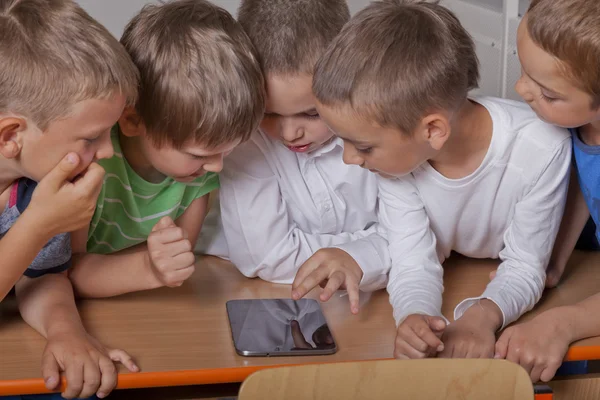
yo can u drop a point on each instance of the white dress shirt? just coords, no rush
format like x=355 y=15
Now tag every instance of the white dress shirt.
x=509 y=208
x=279 y=207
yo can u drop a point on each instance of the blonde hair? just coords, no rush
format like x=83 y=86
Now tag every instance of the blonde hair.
x=290 y=36
x=53 y=55
x=200 y=79
x=397 y=60
x=570 y=31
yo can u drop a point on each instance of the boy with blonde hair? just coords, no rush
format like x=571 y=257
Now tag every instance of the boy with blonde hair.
x=65 y=80
x=201 y=94
x=288 y=202
x=559 y=49
x=480 y=176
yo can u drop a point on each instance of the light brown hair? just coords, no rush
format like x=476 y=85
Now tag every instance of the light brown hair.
x=395 y=61
x=570 y=31
x=291 y=35
x=200 y=79
x=54 y=55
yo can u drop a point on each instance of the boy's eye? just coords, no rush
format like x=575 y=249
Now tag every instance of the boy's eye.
x=365 y=150
x=91 y=140
x=547 y=98
x=312 y=116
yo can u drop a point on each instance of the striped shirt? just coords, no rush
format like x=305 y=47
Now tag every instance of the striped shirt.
x=128 y=206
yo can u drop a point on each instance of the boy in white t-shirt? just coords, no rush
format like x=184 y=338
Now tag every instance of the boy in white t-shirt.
x=483 y=177
x=287 y=199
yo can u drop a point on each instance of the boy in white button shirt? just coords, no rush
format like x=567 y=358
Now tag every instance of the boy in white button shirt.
x=287 y=199
x=483 y=177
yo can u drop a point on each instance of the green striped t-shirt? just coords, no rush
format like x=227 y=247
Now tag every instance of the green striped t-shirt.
x=129 y=206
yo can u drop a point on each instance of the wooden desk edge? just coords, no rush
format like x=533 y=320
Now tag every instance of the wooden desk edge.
x=214 y=376
x=154 y=379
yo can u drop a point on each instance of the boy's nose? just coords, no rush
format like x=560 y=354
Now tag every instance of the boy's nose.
x=522 y=89
x=351 y=157
x=106 y=150
x=215 y=165
x=291 y=132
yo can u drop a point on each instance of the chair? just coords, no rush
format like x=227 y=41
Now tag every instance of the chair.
x=430 y=379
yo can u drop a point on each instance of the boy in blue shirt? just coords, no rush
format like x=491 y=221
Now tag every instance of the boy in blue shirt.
x=559 y=50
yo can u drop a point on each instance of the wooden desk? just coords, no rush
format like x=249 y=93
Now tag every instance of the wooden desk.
x=182 y=337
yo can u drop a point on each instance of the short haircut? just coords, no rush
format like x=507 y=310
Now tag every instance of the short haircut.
x=54 y=55
x=395 y=61
x=291 y=35
x=200 y=78
x=570 y=31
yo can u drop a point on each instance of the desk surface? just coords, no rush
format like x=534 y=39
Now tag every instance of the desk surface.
x=181 y=336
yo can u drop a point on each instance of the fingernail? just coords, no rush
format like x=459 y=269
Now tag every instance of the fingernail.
x=72 y=158
x=295 y=295
x=51 y=381
x=135 y=368
x=440 y=348
x=355 y=310
x=496 y=355
x=101 y=395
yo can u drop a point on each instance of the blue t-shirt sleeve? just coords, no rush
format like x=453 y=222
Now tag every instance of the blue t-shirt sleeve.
x=55 y=256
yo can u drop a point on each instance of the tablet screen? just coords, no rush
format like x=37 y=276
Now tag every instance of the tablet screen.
x=271 y=327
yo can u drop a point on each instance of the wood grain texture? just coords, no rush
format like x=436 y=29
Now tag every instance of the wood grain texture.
x=584 y=387
x=433 y=379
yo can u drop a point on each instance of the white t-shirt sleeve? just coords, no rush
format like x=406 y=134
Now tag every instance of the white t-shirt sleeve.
x=521 y=276
x=263 y=239
x=416 y=277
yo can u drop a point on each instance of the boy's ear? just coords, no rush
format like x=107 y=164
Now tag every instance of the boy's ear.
x=131 y=123
x=436 y=130
x=11 y=136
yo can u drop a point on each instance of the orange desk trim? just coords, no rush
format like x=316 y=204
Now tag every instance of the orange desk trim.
x=215 y=376
x=582 y=353
x=151 y=379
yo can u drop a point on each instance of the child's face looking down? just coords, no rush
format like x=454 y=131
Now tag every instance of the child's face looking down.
x=386 y=151
x=545 y=88
x=291 y=116
x=187 y=163
x=85 y=131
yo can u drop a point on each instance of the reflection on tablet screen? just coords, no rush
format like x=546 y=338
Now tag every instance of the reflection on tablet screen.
x=268 y=327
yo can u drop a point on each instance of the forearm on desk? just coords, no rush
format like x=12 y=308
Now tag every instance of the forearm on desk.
x=416 y=276
x=580 y=320
x=18 y=248
x=101 y=275
x=129 y=270
x=47 y=304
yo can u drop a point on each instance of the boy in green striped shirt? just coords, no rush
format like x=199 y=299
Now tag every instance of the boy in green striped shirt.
x=201 y=94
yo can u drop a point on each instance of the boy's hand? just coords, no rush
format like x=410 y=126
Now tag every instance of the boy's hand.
x=87 y=365
x=60 y=205
x=171 y=258
x=419 y=336
x=538 y=345
x=332 y=269
x=474 y=334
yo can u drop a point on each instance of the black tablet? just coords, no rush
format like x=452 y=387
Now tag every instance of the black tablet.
x=279 y=327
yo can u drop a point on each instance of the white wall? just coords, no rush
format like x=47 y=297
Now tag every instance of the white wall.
x=486 y=20
x=114 y=14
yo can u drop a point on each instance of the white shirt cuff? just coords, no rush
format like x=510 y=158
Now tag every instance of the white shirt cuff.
x=465 y=304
